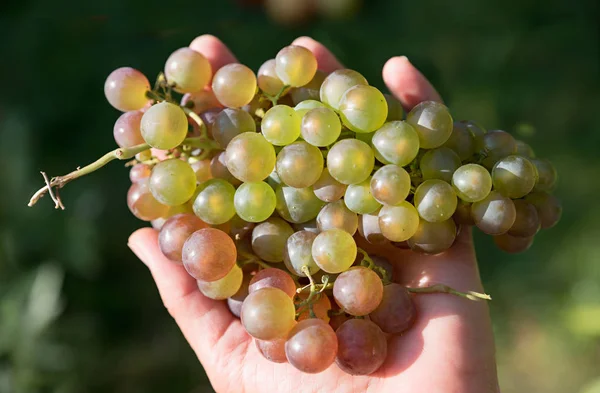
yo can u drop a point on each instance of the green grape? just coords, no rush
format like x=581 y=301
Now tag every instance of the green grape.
x=495 y=145
x=311 y=346
x=476 y=130
x=268 y=314
x=462 y=215
x=250 y=157
x=139 y=173
x=234 y=85
x=267 y=78
x=523 y=149
x=336 y=84
x=435 y=200
x=188 y=70
x=295 y=65
x=273 y=180
x=254 y=202
x=495 y=214
x=432 y=122
x=321 y=127
x=362 y=347
x=273 y=278
x=369 y=228
x=214 y=203
x=142 y=203
x=310 y=91
x=304 y=107
x=269 y=239
x=202 y=170
x=172 y=182
x=334 y=250
x=327 y=188
x=337 y=215
x=281 y=125
x=208 y=254
x=398 y=223
x=472 y=182
x=297 y=205
x=439 y=164
x=390 y=185
x=229 y=123
x=164 y=126
x=200 y=101
x=125 y=89
x=395 y=110
x=527 y=221
x=397 y=142
x=298 y=253
x=299 y=165
x=358 y=198
x=514 y=176
x=547 y=175
x=461 y=141
x=548 y=207
x=224 y=287
x=363 y=109
x=433 y=237
x=513 y=244
x=127 y=131
x=218 y=169
x=175 y=231
x=358 y=291
x=350 y=161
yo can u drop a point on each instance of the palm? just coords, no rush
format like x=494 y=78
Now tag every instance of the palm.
x=450 y=348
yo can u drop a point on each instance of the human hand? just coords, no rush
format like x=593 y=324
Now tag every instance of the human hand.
x=449 y=349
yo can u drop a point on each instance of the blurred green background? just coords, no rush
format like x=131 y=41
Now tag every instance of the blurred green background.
x=79 y=313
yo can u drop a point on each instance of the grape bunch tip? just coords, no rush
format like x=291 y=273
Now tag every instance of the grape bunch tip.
x=260 y=185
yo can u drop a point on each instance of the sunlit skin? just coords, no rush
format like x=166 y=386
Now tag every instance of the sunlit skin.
x=449 y=349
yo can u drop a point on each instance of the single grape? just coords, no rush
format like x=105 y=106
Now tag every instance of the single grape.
x=321 y=307
x=358 y=198
x=337 y=215
x=223 y=288
x=208 y=118
x=350 y=161
x=548 y=207
x=435 y=200
x=524 y=150
x=495 y=214
x=281 y=125
x=362 y=347
x=188 y=70
x=125 y=89
x=337 y=83
x=334 y=250
x=311 y=346
x=527 y=221
x=297 y=205
x=234 y=303
x=254 y=202
x=202 y=170
x=214 y=202
x=358 y=290
x=142 y=203
x=439 y=164
x=433 y=237
x=175 y=231
x=476 y=130
x=273 y=350
x=397 y=142
x=547 y=175
x=250 y=157
x=239 y=228
x=363 y=109
x=396 y=313
x=208 y=254
x=495 y=145
x=229 y=123
x=433 y=123
x=295 y=65
x=310 y=91
x=139 y=173
x=304 y=107
x=472 y=182
x=268 y=314
x=310 y=226
x=298 y=253
x=218 y=169
x=514 y=176
x=164 y=126
x=327 y=188
x=201 y=101
x=267 y=78
x=179 y=209
x=390 y=185
x=234 y=85
x=395 y=110
x=398 y=223
x=172 y=182
x=269 y=239
x=273 y=278
x=368 y=228
x=127 y=131
x=299 y=165
x=462 y=215
x=513 y=244
x=321 y=127
x=461 y=141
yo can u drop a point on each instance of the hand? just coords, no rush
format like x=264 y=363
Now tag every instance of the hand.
x=449 y=349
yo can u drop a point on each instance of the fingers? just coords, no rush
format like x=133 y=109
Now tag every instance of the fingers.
x=217 y=53
x=325 y=59
x=407 y=83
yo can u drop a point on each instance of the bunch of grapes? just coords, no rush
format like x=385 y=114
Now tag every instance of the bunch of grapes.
x=262 y=184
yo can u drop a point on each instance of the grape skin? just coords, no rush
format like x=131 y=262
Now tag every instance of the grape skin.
x=188 y=70
x=267 y=78
x=139 y=173
x=369 y=228
x=397 y=143
x=127 y=130
x=164 y=126
x=461 y=141
x=202 y=170
x=310 y=91
x=495 y=214
x=334 y=250
x=229 y=123
x=435 y=200
x=297 y=205
x=350 y=161
x=295 y=65
x=439 y=164
x=513 y=244
x=548 y=207
x=273 y=278
x=142 y=203
x=396 y=313
x=358 y=291
x=514 y=176
x=362 y=347
x=320 y=127
x=299 y=165
x=273 y=350
x=547 y=175
x=472 y=182
x=433 y=237
x=209 y=254
x=311 y=346
x=337 y=215
x=175 y=231
x=358 y=198
x=234 y=85
x=363 y=109
x=337 y=83
x=214 y=201
x=390 y=185
x=281 y=125
x=268 y=314
x=250 y=157
x=223 y=288
x=398 y=223
x=234 y=302
x=527 y=221
x=173 y=182
x=433 y=123
x=254 y=202
x=269 y=239
x=125 y=89
x=328 y=189
x=298 y=253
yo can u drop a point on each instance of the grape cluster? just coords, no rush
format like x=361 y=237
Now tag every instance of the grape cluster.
x=260 y=185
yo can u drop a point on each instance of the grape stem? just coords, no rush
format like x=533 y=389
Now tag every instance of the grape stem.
x=251 y=258
x=277 y=96
x=369 y=264
x=122 y=153
x=441 y=288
